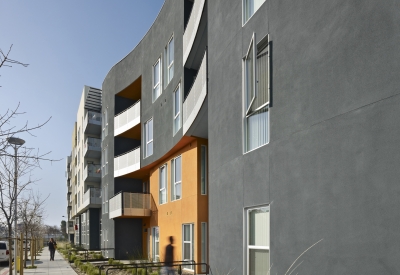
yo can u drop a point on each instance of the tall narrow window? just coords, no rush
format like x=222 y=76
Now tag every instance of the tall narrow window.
x=163 y=185
x=203 y=245
x=169 y=58
x=250 y=7
x=187 y=244
x=203 y=170
x=156 y=79
x=176 y=185
x=177 y=109
x=256 y=94
x=104 y=162
x=148 y=133
x=257 y=240
x=156 y=244
x=104 y=123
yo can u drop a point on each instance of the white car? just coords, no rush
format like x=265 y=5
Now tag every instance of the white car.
x=4 y=252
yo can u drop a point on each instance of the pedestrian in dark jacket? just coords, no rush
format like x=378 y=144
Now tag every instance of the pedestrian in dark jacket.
x=52 y=248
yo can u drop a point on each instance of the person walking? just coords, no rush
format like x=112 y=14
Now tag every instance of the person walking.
x=169 y=257
x=52 y=248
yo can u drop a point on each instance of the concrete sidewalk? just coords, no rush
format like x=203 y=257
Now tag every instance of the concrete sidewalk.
x=44 y=266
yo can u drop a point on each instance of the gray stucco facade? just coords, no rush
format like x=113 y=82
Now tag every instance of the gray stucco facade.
x=330 y=169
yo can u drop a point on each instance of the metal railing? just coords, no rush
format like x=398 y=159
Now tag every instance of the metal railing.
x=92 y=117
x=92 y=170
x=127 y=119
x=196 y=96
x=130 y=204
x=127 y=163
x=92 y=144
x=92 y=196
x=192 y=27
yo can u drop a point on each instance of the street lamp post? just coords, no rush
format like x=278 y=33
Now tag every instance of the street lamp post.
x=16 y=143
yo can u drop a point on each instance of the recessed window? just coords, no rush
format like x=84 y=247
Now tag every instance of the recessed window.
x=148 y=137
x=104 y=123
x=256 y=94
x=169 y=61
x=250 y=7
x=104 y=162
x=176 y=171
x=187 y=244
x=177 y=109
x=156 y=79
x=156 y=244
x=163 y=185
x=257 y=240
x=203 y=170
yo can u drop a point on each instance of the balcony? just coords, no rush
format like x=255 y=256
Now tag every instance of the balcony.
x=92 y=173
x=127 y=120
x=195 y=27
x=127 y=163
x=91 y=199
x=92 y=148
x=195 y=99
x=126 y=204
x=92 y=123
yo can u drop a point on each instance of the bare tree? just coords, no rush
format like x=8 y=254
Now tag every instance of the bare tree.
x=8 y=62
x=30 y=209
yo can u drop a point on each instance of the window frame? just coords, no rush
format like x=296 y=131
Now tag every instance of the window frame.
x=155 y=241
x=159 y=83
x=254 y=46
x=174 y=183
x=178 y=115
x=246 y=237
x=203 y=170
x=168 y=65
x=244 y=20
x=191 y=242
x=147 y=142
x=165 y=187
x=104 y=122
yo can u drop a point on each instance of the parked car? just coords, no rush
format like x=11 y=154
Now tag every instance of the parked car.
x=4 y=251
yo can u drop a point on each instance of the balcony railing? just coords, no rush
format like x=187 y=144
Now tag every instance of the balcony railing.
x=126 y=204
x=192 y=27
x=127 y=119
x=127 y=163
x=92 y=123
x=91 y=197
x=92 y=172
x=196 y=96
x=92 y=147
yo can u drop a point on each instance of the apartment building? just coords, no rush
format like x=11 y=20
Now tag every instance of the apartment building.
x=84 y=172
x=251 y=130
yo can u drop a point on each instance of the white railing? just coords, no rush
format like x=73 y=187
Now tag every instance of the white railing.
x=92 y=196
x=196 y=96
x=127 y=119
x=130 y=204
x=191 y=28
x=127 y=163
x=115 y=205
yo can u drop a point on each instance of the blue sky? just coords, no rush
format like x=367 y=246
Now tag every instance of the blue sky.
x=67 y=44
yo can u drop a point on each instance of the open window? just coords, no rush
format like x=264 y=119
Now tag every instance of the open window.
x=256 y=88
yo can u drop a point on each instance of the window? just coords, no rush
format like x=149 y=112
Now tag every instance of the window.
x=177 y=109
x=156 y=79
x=257 y=240
x=187 y=244
x=203 y=170
x=156 y=244
x=203 y=245
x=250 y=7
x=104 y=162
x=169 y=61
x=104 y=123
x=256 y=94
x=176 y=171
x=148 y=137
x=163 y=185
x=79 y=198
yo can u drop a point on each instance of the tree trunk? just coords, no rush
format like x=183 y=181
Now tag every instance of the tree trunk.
x=10 y=249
